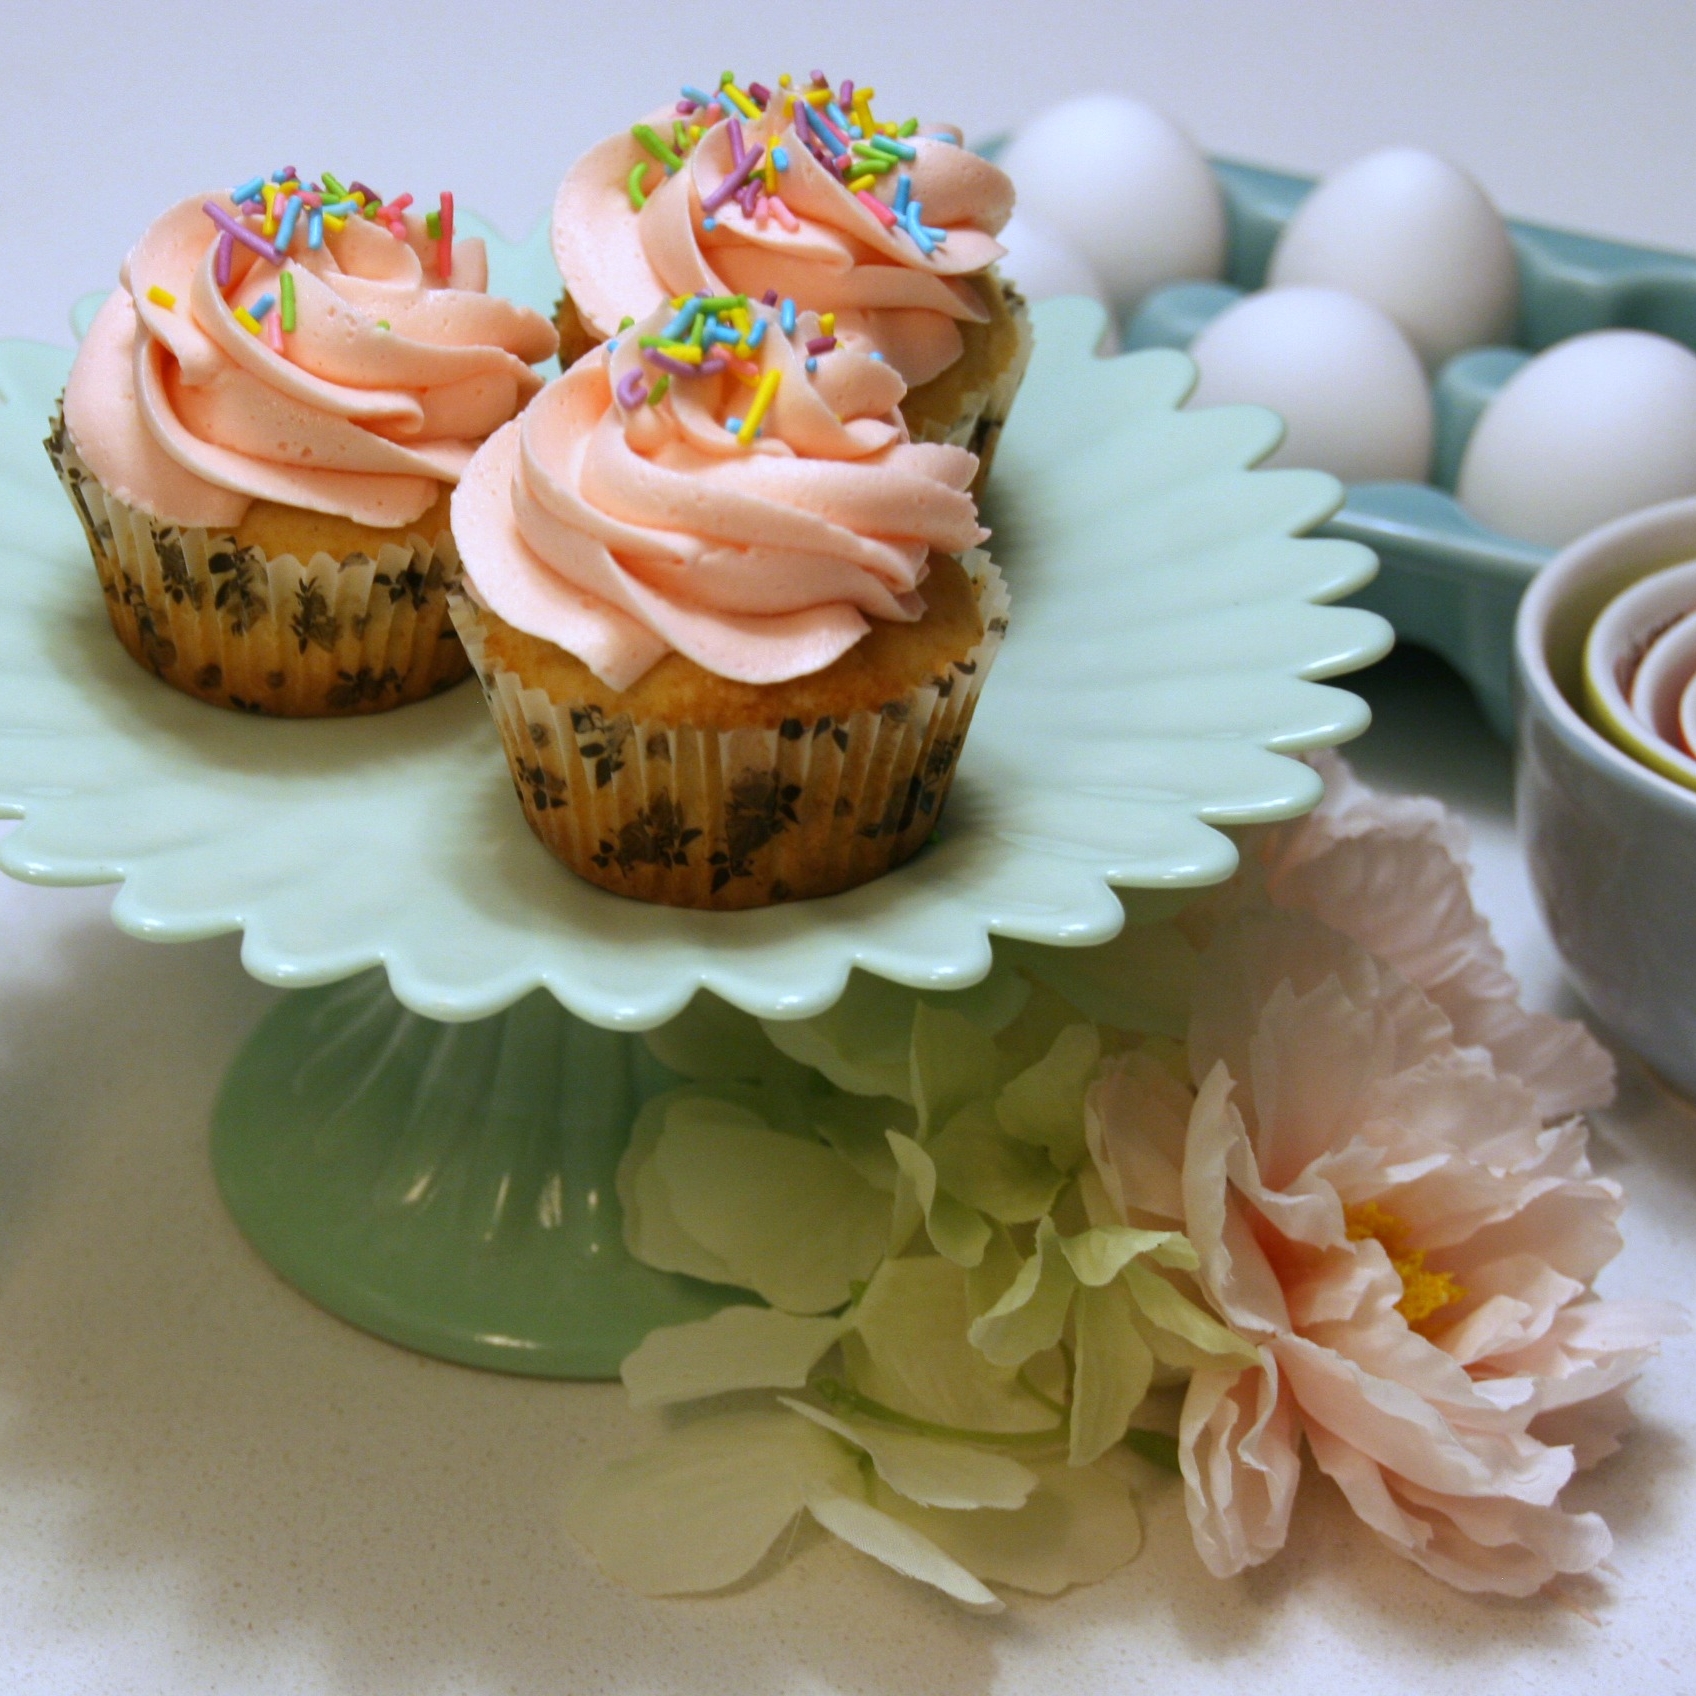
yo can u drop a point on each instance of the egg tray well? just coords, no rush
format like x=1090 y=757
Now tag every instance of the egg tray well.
x=1447 y=583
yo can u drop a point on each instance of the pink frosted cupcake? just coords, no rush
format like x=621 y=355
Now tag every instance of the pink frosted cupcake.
x=727 y=614
x=806 y=191
x=262 y=429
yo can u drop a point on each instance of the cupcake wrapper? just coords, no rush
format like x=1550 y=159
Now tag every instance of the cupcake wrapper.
x=984 y=410
x=742 y=818
x=233 y=626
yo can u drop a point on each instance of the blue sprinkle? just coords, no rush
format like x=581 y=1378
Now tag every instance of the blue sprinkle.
x=248 y=190
x=612 y=347
x=952 y=140
x=261 y=306
x=709 y=223
x=696 y=95
x=733 y=425
x=903 y=193
x=876 y=354
x=780 y=158
x=758 y=333
x=314 y=227
x=837 y=115
x=786 y=317
x=812 y=365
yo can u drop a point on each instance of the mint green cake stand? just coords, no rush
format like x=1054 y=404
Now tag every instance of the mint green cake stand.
x=424 y=1137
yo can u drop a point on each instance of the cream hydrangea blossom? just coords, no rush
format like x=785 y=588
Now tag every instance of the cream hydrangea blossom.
x=954 y=1336
x=1411 y=1251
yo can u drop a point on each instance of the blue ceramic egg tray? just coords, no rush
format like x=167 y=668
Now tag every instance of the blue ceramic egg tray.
x=1447 y=583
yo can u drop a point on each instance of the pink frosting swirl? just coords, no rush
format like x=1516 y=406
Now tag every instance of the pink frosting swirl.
x=829 y=251
x=391 y=377
x=621 y=530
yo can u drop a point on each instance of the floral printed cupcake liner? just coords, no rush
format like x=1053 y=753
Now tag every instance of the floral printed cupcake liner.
x=696 y=817
x=232 y=626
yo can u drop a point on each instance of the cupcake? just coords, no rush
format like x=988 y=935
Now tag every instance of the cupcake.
x=730 y=618
x=262 y=429
x=806 y=190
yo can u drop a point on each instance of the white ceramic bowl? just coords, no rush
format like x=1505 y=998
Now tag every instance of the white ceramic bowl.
x=1611 y=844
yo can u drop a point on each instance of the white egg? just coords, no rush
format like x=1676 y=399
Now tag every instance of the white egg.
x=1415 y=236
x=1126 y=187
x=1350 y=389
x=1042 y=265
x=1591 y=429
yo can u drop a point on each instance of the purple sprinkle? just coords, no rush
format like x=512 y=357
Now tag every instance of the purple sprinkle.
x=631 y=390
x=731 y=184
x=738 y=152
x=665 y=362
x=710 y=367
x=685 y=107
x=759 y=94
x=226 y=253
x=845 y=99
x=820 y=80
x=749 y=196
x=241 y=233
x=769 y=298
x=821 y=344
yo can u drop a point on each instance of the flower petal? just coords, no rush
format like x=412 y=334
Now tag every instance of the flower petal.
x=908 y=1349
x=1079 y=1525
x=897 y=1545
x=1031 y=1315
x=954 y=1229
x=1237 y=1450
x=698 y=1509
x=1114 y=1369
x=738 y=1348
x=930 y=1470
x=787 y=1218
x=1044 y=1104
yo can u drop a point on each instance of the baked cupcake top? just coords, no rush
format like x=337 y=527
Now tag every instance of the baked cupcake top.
x=303 y=343
x=801 y=189
x=724 y=479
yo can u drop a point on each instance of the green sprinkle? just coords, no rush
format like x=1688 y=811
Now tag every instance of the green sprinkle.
x=1155 y=1447
x=624 y=324
x=286 y=285
x=911 y=127
x=382 y=323
x=657 y=393
x=723 y=303
x=334 y=187
x=433 y=225
x=633 y=186
x=647 y=137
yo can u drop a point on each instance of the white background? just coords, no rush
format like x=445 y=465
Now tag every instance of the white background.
x=206 y=1485
x=1578 y=113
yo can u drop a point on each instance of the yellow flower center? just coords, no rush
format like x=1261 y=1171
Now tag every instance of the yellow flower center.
x=1424 y=1293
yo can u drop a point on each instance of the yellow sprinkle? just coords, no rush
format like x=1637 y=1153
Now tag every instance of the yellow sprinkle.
x=859 y=183
x=743 y=104
x=769 y=166
x=785 y=80
x=694 y=132
x=818 y=96
x=333 y=222
x=162 y=297
x=759 y=407
x=681 y=350
x=247 y=321
x=827 y=323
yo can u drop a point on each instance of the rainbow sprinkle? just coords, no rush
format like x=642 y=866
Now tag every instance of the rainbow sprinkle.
x=713 y=335
x=162 y=297
x=836 y=126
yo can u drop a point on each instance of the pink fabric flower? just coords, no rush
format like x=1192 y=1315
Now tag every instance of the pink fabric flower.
x=1387 y=1218
x=1391 y=872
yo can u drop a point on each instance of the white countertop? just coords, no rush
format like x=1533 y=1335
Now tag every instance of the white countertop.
x=209 y=1486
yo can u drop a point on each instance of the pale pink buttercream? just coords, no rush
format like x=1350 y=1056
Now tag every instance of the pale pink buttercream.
x=182 y=412
x=620 y=533
x=885 y=290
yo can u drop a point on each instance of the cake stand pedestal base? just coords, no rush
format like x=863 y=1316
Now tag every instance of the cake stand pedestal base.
x=449 y=1186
